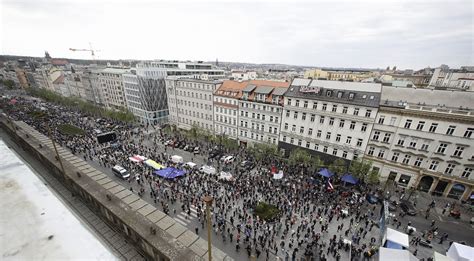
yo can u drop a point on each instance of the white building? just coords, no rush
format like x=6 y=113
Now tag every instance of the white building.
x=329 y=118
x=190 y=102
x=424 y=139
x=111 y=80
x=260 y=111
x=226 y=107
x=239 y=75
x=92 y=85
x=462 y=79
x=151 y=87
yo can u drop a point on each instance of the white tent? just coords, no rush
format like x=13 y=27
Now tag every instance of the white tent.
x=388 y=254
x=460 y=252
x=225 y=176
x=395 y=239
x=177 y=159
x=278 y=175
x=439 y=257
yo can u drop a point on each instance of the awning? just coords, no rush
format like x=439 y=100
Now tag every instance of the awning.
x=326 y=173
x=350 y=179
x=154 y=164
x=387 y=254
x=170 y=173
x=137 y=158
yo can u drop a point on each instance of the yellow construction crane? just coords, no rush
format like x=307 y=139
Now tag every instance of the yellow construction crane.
x=91 y=50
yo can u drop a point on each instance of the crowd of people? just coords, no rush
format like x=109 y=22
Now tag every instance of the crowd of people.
x=307 y=208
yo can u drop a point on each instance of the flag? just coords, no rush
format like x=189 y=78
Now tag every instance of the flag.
x=330 y=186
x=274 y=170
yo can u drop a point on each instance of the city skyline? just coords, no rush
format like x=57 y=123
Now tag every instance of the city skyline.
x=343 y=34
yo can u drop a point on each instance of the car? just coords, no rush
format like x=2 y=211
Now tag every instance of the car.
x=247 y=164
x=229 y=159
x=207 y=169
x=196 y=150
x=186 y=147
x=372 y=199
x=120 y=172
x=455 y=213
x=97 y=131
x=408 y=208
x=222 y=159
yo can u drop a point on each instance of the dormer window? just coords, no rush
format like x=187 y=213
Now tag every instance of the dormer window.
x=351 y=95
x=328 y=93
x=275 y=99
x=245 y=96
x=364 y=96
x=339 y=94
x=371 y=97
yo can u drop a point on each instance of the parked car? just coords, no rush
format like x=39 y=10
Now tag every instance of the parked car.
x=229 y=159
x=247 y=164
x=223 y=157
x=196 y=150
x=455 y=213
x=408 y=208
x=372 y=199
x=207 y=169
x=120 y=172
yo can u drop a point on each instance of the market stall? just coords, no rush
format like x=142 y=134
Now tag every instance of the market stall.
x=154 y=164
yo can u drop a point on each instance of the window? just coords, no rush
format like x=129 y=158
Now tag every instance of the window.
x=356 y=111
x=303 y=117
x=344 y=154
x=449 y=169
x=338 y=137
x=376 y=135
x=284 y=138
x=408 y=124
x=468 y=132
x=395 y=156
x=355 y=157
x=341 y=124
x=328 y=135
x=344 y=110
x=386 y=137
x=412 y=144
x=329 y=93
x=424 y=147
x=442 y=148
x=339 y=94
x=433 y=127
x=324 y=106
x=305 y=104
x=315 y=105
x=331 y=121
x=319 y=134
x=299 y=142
x=353 y=125
x=450 y=130
x=420 y=125
x=287 y=113
x=393 y=120
x=418 y=162
x=286 y=126
x=359 y=143
x=325 y=149
x=368 y=113
x=288 y=102
x=334 y=152
x=363 y=127
x=321 y=120
x=371 y=151
x=381 y=153
x=292 y=140
x=466 y=172
x=316 y=146
x=434 y=165
x=458 y=151
x=351 y=95
x=308 y=144
x=293 y=128
x=313 y=116
x=310 y=131
x=295 y=115
x=401 y=141
x=406 y=159
x=348 y=140
x=381 y=119
x=301 y=129
x=334 y=108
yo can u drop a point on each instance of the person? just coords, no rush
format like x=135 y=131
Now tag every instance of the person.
x=197 y=230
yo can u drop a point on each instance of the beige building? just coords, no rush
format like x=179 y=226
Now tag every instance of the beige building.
x=111 y=80
x=338 y=75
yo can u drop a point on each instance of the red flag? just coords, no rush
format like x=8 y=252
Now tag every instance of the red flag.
x=274 y=170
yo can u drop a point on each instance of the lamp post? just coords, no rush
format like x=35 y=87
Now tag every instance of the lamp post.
x=208 y=200
x=54 y=145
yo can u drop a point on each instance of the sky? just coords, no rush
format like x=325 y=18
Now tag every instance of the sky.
x=339 y=33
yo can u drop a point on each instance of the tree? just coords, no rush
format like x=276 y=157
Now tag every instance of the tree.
x=299 y=156
x=316 y=162
x=373 y=177
x=338 y=166
x=9 y=84
x=361 y=169
x=262 y=150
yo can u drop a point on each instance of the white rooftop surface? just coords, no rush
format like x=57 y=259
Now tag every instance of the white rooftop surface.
x=460 y=252
x=397 y=237
x=350 y=86
x=30 y=213
x=388 y=254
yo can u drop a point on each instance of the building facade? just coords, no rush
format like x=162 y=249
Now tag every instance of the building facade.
x=424 y=139
x=190 y=102
x=111 y=80
x=226 y=108
x=461 y=79
x=260 y=110
x=331 y=119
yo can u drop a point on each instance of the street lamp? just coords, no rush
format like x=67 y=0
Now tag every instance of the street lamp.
x=208 y=200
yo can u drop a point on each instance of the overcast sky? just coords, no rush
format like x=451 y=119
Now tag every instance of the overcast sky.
x=408 y=34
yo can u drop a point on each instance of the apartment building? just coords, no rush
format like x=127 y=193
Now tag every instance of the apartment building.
x=226 y=107
x=260 y=110
x=111 y=80
x=338 y=75
x=190 y=102
x=461 y=79
x=423 y=139
x=331 y=119
x=151 y=88
x=92 y=85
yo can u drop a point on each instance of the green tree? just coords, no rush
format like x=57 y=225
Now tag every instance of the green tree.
x=361 y=169
x=299 y=156
x=9 y=84
x=338 y=166
x=262 y=150
x=373 y=177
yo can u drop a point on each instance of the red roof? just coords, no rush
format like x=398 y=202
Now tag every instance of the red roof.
x=59 y=62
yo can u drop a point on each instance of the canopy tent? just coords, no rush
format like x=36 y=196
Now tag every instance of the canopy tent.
x=440 y=257
x=137 y=158
x=278 y=175
x=350 y=179
x=170 y=173
x=326 y=173
x=395 y=239
x=226 y=176
x=387 y=254
x=460 y=252
x=154 y=164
